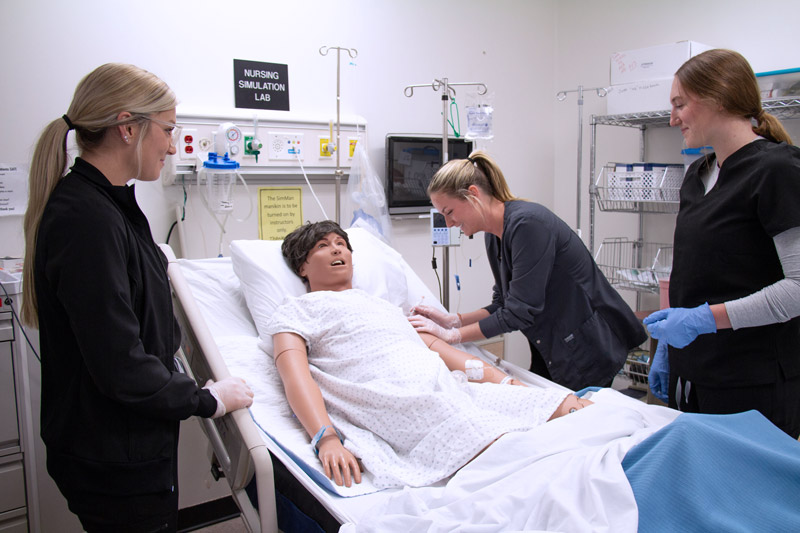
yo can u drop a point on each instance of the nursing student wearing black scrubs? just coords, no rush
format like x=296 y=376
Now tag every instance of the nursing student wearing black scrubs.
x=734 y=330
x=96 y=287
x=547 y=284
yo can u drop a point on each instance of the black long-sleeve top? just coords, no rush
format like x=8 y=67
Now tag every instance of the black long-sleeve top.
x=111 y=399
x=548 y=286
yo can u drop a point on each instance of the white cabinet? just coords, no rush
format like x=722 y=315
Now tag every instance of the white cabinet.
x=15 y=419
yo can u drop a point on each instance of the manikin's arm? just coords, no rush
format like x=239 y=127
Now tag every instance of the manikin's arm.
x=477 y=371
x=308 y=405
x=453 y=329
x=456 y=359
x=470 y=330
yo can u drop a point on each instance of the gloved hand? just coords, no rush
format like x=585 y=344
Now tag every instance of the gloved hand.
x=445 y=320
x=658 y=377
x=231 y=393
x=426 y=325
x=678 y=326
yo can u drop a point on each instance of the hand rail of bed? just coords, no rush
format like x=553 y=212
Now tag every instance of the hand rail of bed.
x=237 y=469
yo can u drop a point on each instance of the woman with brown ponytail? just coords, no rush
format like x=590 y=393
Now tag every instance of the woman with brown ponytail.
x=734 y=330
x=547 y=284
x=95 y=284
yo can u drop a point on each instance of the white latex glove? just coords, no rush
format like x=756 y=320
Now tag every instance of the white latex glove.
x=231 y=393
x=426 y=325
x=445 y=320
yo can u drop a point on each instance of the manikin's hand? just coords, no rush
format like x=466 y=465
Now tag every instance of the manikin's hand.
x=679 y=326
x=426 y=325
x=570 y=404
x=658 y=377
x=231 y=393
x=340 y=465
x=440 y=317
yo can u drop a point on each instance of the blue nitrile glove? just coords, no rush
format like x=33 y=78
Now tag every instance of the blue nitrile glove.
x=678 y=326
x=658 y=378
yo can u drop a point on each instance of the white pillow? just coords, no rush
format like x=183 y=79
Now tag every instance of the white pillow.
x=267 y=279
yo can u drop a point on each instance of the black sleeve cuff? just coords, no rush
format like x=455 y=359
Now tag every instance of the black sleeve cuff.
x=207 y=405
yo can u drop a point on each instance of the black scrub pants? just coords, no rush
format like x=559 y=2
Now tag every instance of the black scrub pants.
x=140 y=513
x=779 y=401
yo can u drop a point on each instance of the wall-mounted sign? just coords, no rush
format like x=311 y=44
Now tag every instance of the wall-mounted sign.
x=13 y=189
x=259 y=85
x=280 y=210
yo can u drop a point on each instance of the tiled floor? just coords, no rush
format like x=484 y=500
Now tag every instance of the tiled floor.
x=235 y=525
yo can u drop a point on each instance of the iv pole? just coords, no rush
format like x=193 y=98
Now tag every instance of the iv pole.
x=353 y=53
x=447 y=89
x=561 y=96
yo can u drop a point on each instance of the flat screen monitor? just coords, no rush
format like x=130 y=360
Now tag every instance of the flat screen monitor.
x=411 y=162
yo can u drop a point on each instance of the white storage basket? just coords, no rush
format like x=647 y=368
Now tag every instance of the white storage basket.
x=634 y=265
x=654 y=189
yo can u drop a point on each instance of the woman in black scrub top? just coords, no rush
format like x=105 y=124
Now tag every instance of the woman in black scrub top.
x=96 y=287
x=547 y=284
x=734 y=333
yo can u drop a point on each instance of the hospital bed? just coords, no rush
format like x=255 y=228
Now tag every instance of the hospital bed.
x=219 y=303
x=219 y=336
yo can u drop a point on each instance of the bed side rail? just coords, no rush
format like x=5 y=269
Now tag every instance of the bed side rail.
x=235 y=439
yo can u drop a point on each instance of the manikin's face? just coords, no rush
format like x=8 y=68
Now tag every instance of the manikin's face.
x=695 y=117
x=329 y=265
x=459 y=212
x=157 y=144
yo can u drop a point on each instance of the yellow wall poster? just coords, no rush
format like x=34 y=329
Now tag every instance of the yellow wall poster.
x=280 y=210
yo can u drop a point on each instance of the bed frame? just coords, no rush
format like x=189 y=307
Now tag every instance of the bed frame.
x=241 y=451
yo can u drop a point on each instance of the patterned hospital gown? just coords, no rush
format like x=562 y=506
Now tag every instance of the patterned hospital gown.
x=399 y=408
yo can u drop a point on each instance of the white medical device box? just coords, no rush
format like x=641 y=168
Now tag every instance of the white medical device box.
x=639 y=97
x=652 y=62
x=441 y=235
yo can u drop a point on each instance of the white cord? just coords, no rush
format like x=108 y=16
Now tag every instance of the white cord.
x=250 y=198
x=311 y=188
x=222 y=234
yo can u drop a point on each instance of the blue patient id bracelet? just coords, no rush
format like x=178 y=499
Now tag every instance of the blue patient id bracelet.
x=318 y=436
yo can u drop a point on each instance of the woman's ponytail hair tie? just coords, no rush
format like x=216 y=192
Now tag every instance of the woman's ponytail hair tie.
x=70 y=125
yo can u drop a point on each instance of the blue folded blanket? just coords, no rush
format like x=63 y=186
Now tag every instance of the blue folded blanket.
x=716 y=473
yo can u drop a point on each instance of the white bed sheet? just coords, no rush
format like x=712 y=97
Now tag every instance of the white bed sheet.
x=563 y=476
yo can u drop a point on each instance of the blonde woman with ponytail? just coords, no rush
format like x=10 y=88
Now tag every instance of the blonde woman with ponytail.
x=95 y=285
x=734 y=329
x=547 y=284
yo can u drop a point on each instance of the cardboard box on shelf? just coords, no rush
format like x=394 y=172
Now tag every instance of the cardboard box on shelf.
x=653 y=62
x=639 y=96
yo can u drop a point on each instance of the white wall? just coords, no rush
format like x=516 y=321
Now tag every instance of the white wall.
x=191 y=46
x=524 y=51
